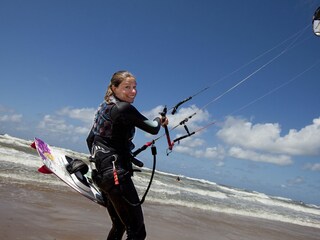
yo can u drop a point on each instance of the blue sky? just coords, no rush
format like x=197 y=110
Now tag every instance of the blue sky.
x=260 y=60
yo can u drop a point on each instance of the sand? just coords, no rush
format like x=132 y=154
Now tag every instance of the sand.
x=34 y=212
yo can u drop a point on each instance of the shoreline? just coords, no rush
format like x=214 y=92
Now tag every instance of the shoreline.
x=33 y=212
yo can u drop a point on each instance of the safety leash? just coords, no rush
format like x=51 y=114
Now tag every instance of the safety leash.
x=154 y=153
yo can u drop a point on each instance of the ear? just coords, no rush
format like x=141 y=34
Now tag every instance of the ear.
x=113 y=88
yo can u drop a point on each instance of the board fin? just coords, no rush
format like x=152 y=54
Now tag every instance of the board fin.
x=33 y=145
x=44 y=169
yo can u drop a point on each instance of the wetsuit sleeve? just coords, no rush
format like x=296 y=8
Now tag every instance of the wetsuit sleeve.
x=90 y=139
x=134 y=117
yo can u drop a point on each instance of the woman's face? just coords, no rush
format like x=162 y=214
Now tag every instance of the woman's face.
x=127 y=90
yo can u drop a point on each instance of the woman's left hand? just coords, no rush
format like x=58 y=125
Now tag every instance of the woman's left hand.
x=164 y=121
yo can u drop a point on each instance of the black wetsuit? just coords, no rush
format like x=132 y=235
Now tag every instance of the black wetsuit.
x=110 y=141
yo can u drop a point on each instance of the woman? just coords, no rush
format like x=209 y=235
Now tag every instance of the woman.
x=110 y=143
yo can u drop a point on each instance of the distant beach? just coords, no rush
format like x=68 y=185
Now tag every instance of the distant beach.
x=30 y=211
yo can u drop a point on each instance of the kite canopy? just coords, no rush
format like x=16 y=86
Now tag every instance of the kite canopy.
x=316 y=22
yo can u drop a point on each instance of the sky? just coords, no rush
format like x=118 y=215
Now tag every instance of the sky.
x=258 y=62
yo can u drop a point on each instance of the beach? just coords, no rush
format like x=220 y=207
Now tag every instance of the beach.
x=32 y=211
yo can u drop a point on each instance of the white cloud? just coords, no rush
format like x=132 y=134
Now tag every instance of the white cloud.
x=214 y=152
x=193 y=116
x=220 y=164
x=55 y=124
x=83 y=114
x=188 y=146
x=196 y=147
x=295 y=181
x=266 y=137
x=191 y=142
x=13 y=118
x=240 y=153
x=313 y=166
x=303 y=142
x=9 y=115
x=61 y=122
x=242 y=133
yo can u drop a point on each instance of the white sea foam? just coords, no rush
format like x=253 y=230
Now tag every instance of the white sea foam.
x=19 y=178
x=18 y=157
x=19 y=164
x=231 y=211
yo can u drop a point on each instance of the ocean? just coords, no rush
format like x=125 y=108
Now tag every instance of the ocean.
x=19 y=164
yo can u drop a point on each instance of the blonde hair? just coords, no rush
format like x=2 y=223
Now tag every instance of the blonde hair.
x=115 y=81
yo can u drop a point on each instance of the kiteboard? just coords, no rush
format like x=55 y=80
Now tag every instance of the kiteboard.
x=55 y=161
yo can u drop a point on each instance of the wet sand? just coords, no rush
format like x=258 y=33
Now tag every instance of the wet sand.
x=34 y=212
